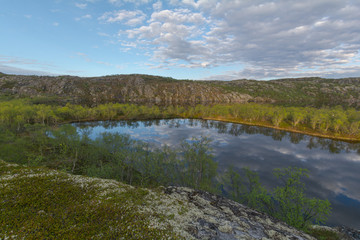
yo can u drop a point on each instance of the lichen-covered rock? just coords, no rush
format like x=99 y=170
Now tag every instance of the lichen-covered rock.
x=120 y=89
x=208 y=216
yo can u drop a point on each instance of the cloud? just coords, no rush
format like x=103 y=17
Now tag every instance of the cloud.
x=88 y=59
x=157 y=6
x=87 y=16
x=265 y=39
x=121 y=2
x=56 y=24
x=131 y=18
x=22 y=71
x=16 y=65
x=174 y=32
x=81 y=5
x=10 y=60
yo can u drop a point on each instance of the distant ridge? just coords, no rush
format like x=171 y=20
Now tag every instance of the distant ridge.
x=140 y=88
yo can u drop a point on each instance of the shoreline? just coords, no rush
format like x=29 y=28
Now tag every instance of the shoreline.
x=346 y=139
x=321 y=135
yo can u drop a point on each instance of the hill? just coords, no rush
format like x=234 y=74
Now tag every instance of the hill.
x=136 y=88
x=118 y=88
x=314 y=92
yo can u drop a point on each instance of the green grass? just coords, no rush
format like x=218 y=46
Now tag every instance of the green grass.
x=37 y=203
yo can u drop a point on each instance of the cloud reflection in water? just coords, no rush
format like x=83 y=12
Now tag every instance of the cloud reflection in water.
x=333 y=165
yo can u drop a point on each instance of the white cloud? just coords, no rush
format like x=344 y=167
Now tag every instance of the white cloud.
x=157 y=6
x=178 y=16
x=81 y=5
x=22 y=71
x=131 y=18
x=102 y=34
x=175 y=33
x=16 y=65
x=88 y=59
x=56 y=24
x=266 y=39
x=87 y=16
x=121 y=2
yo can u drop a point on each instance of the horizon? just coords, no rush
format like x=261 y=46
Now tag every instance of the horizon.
x=183 y=79
x=181 y=39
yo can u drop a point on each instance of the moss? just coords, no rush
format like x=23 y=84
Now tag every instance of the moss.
x=324 y=234
x=37 y=203
x=8 y=84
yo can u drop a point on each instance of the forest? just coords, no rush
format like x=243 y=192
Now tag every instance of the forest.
x=335 y=122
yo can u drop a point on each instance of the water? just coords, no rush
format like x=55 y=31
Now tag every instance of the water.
x=334 y=165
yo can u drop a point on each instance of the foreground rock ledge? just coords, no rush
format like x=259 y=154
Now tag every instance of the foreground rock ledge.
x=214 y=217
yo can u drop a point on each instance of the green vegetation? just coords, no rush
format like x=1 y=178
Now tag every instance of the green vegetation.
x=138 y=88
x=40 y=204
x=29 y=134
x=330 y=122
x=286 y=202
x=324 y=234
x=116 y=156
x=113 y=156
x=300 y=92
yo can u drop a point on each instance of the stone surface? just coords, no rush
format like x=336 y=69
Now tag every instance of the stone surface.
x=119 y=88
x=209 y=216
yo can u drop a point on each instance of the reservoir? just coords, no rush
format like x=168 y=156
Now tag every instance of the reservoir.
x=334 y=166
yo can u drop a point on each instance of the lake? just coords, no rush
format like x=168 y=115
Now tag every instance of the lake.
x=334 y=165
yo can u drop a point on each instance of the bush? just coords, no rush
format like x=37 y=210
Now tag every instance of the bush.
x=286 y=202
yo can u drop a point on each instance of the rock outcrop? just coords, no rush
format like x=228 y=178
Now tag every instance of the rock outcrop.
x=119 y=88
x=214 y=217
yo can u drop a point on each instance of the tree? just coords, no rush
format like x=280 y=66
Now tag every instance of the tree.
x=296 y=115
x=200 y=168
x=292 y=206
x=247 y=189
x=278 y=116
x=286 y=202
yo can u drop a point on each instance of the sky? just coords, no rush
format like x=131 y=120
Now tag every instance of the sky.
x=183 y=39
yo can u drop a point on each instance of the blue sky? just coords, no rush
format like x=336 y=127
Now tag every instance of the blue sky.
x=184 y=39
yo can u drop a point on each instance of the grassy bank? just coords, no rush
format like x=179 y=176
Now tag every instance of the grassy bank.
x=335 y=123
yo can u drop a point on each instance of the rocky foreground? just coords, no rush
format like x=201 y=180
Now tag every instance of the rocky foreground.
x=38 y=203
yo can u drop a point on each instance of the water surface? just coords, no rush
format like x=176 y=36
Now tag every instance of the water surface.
x=334 y=165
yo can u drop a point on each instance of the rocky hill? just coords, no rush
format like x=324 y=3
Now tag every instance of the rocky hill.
x=38 y=203
x=119 y=88
x=315 y=92
x=135 y=88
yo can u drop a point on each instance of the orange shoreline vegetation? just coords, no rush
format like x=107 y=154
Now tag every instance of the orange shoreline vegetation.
x=287 y=129
x=334 y=123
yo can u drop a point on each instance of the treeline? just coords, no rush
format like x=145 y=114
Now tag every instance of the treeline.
x=190 y=164
x=336 y=122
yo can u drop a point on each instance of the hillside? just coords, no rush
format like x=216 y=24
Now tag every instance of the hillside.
x=315 y=92
x=37 y=203
x=118 y=88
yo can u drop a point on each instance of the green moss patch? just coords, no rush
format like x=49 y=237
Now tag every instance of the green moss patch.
x=37 y=203
x=323 y=233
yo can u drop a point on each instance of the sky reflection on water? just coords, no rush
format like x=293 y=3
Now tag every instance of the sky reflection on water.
x=334 y=165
